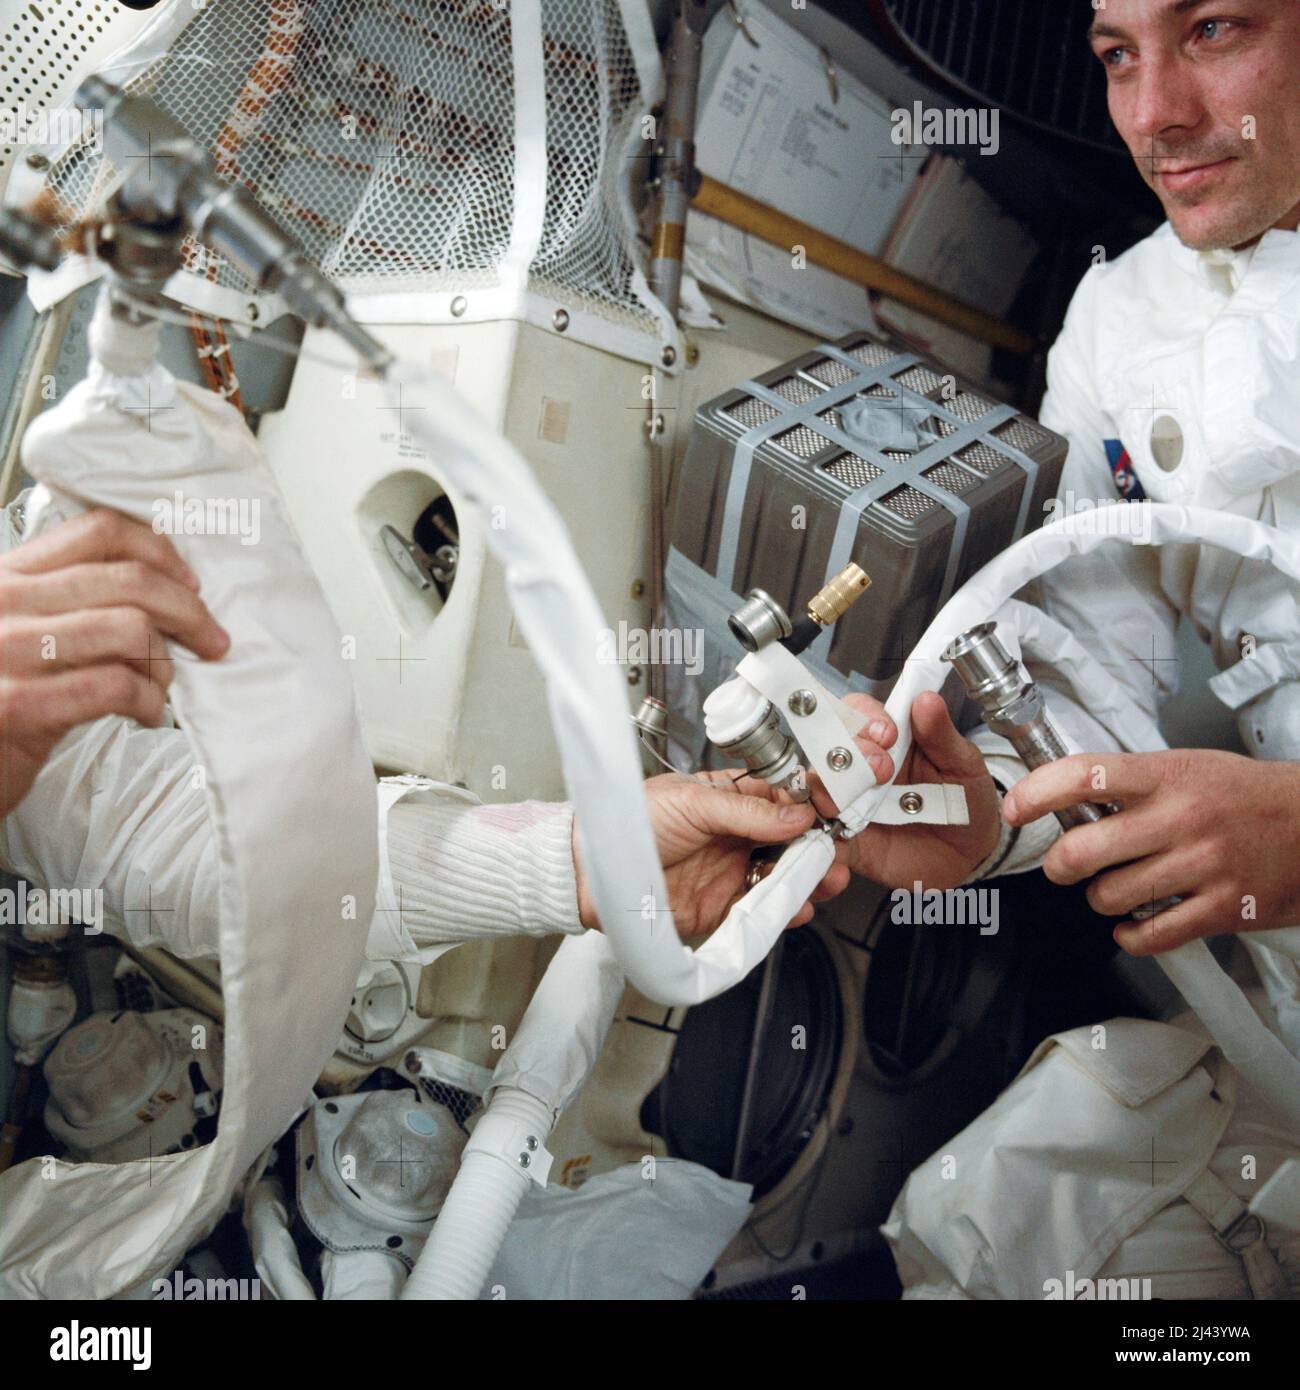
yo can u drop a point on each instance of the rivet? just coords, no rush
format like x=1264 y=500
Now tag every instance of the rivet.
x=839 y=758
x=668 y=356
x=459 y=305
x=803 y=702
x=912 y=803
x=560 y=319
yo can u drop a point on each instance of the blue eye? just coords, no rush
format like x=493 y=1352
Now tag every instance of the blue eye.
x=1212 y=28
x=1112 y=57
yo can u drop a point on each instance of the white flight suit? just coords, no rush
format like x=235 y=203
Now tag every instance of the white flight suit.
x=117 y=807
x=1117 y=1155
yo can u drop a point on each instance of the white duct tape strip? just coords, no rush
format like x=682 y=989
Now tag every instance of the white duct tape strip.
x=516 y=1144
x=291 y=795
x=923 y=803
x=821 y=723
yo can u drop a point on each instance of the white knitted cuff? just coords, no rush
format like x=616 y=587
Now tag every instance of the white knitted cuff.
x=1018 y=849
x=462 y=871
x=1007 y=837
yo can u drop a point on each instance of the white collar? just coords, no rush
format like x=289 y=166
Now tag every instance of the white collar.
x=1224 y=268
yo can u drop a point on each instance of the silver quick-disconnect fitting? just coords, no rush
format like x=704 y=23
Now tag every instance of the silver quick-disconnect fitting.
x=742 y=725
x=1012 y=705
x=173 y=188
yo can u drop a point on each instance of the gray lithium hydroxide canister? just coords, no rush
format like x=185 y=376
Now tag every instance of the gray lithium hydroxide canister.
x=859 y=451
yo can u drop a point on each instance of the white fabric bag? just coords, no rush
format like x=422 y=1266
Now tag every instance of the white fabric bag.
x=635 y=1232
x=292 y=798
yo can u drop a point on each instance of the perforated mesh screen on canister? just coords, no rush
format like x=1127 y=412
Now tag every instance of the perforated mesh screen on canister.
x=381 y=133
x=827 y=377
x=966 y=469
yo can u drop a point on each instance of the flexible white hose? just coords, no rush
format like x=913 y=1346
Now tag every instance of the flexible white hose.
x=548 y=1060
x=575 y=1001
x=480 y=1206
x=562 y=624
x=1241 y=1034
x=990 y=590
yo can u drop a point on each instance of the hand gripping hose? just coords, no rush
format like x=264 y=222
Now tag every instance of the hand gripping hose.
x=1243 y=1037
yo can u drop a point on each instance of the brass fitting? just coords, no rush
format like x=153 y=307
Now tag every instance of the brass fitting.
x=839 y=595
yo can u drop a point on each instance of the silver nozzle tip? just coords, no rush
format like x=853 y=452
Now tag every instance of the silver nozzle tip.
x=981 y=660
x=969 y=641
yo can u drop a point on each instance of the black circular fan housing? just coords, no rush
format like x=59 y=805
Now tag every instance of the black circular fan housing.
x=912 y=995
x=696 y=1108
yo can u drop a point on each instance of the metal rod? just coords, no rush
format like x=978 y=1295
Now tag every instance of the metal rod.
x=739 y=210
x=762 y=1016
x=677 y=153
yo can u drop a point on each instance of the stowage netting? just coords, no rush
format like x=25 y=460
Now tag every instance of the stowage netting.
x=383 y=134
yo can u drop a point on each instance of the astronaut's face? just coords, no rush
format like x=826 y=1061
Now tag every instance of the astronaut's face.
x=1206 y=94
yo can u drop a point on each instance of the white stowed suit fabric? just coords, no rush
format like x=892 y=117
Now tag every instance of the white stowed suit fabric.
x=291 y=799
x=1050 y=1179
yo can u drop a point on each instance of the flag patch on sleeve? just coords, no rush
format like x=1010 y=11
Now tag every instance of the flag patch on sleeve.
x=1121 y=469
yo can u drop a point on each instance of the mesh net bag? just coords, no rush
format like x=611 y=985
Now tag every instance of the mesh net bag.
x=420 y=147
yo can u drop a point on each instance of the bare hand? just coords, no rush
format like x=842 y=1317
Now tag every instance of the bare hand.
x=938 y=856
x=85 y=611
x=1218 y=830
x=705 y=829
